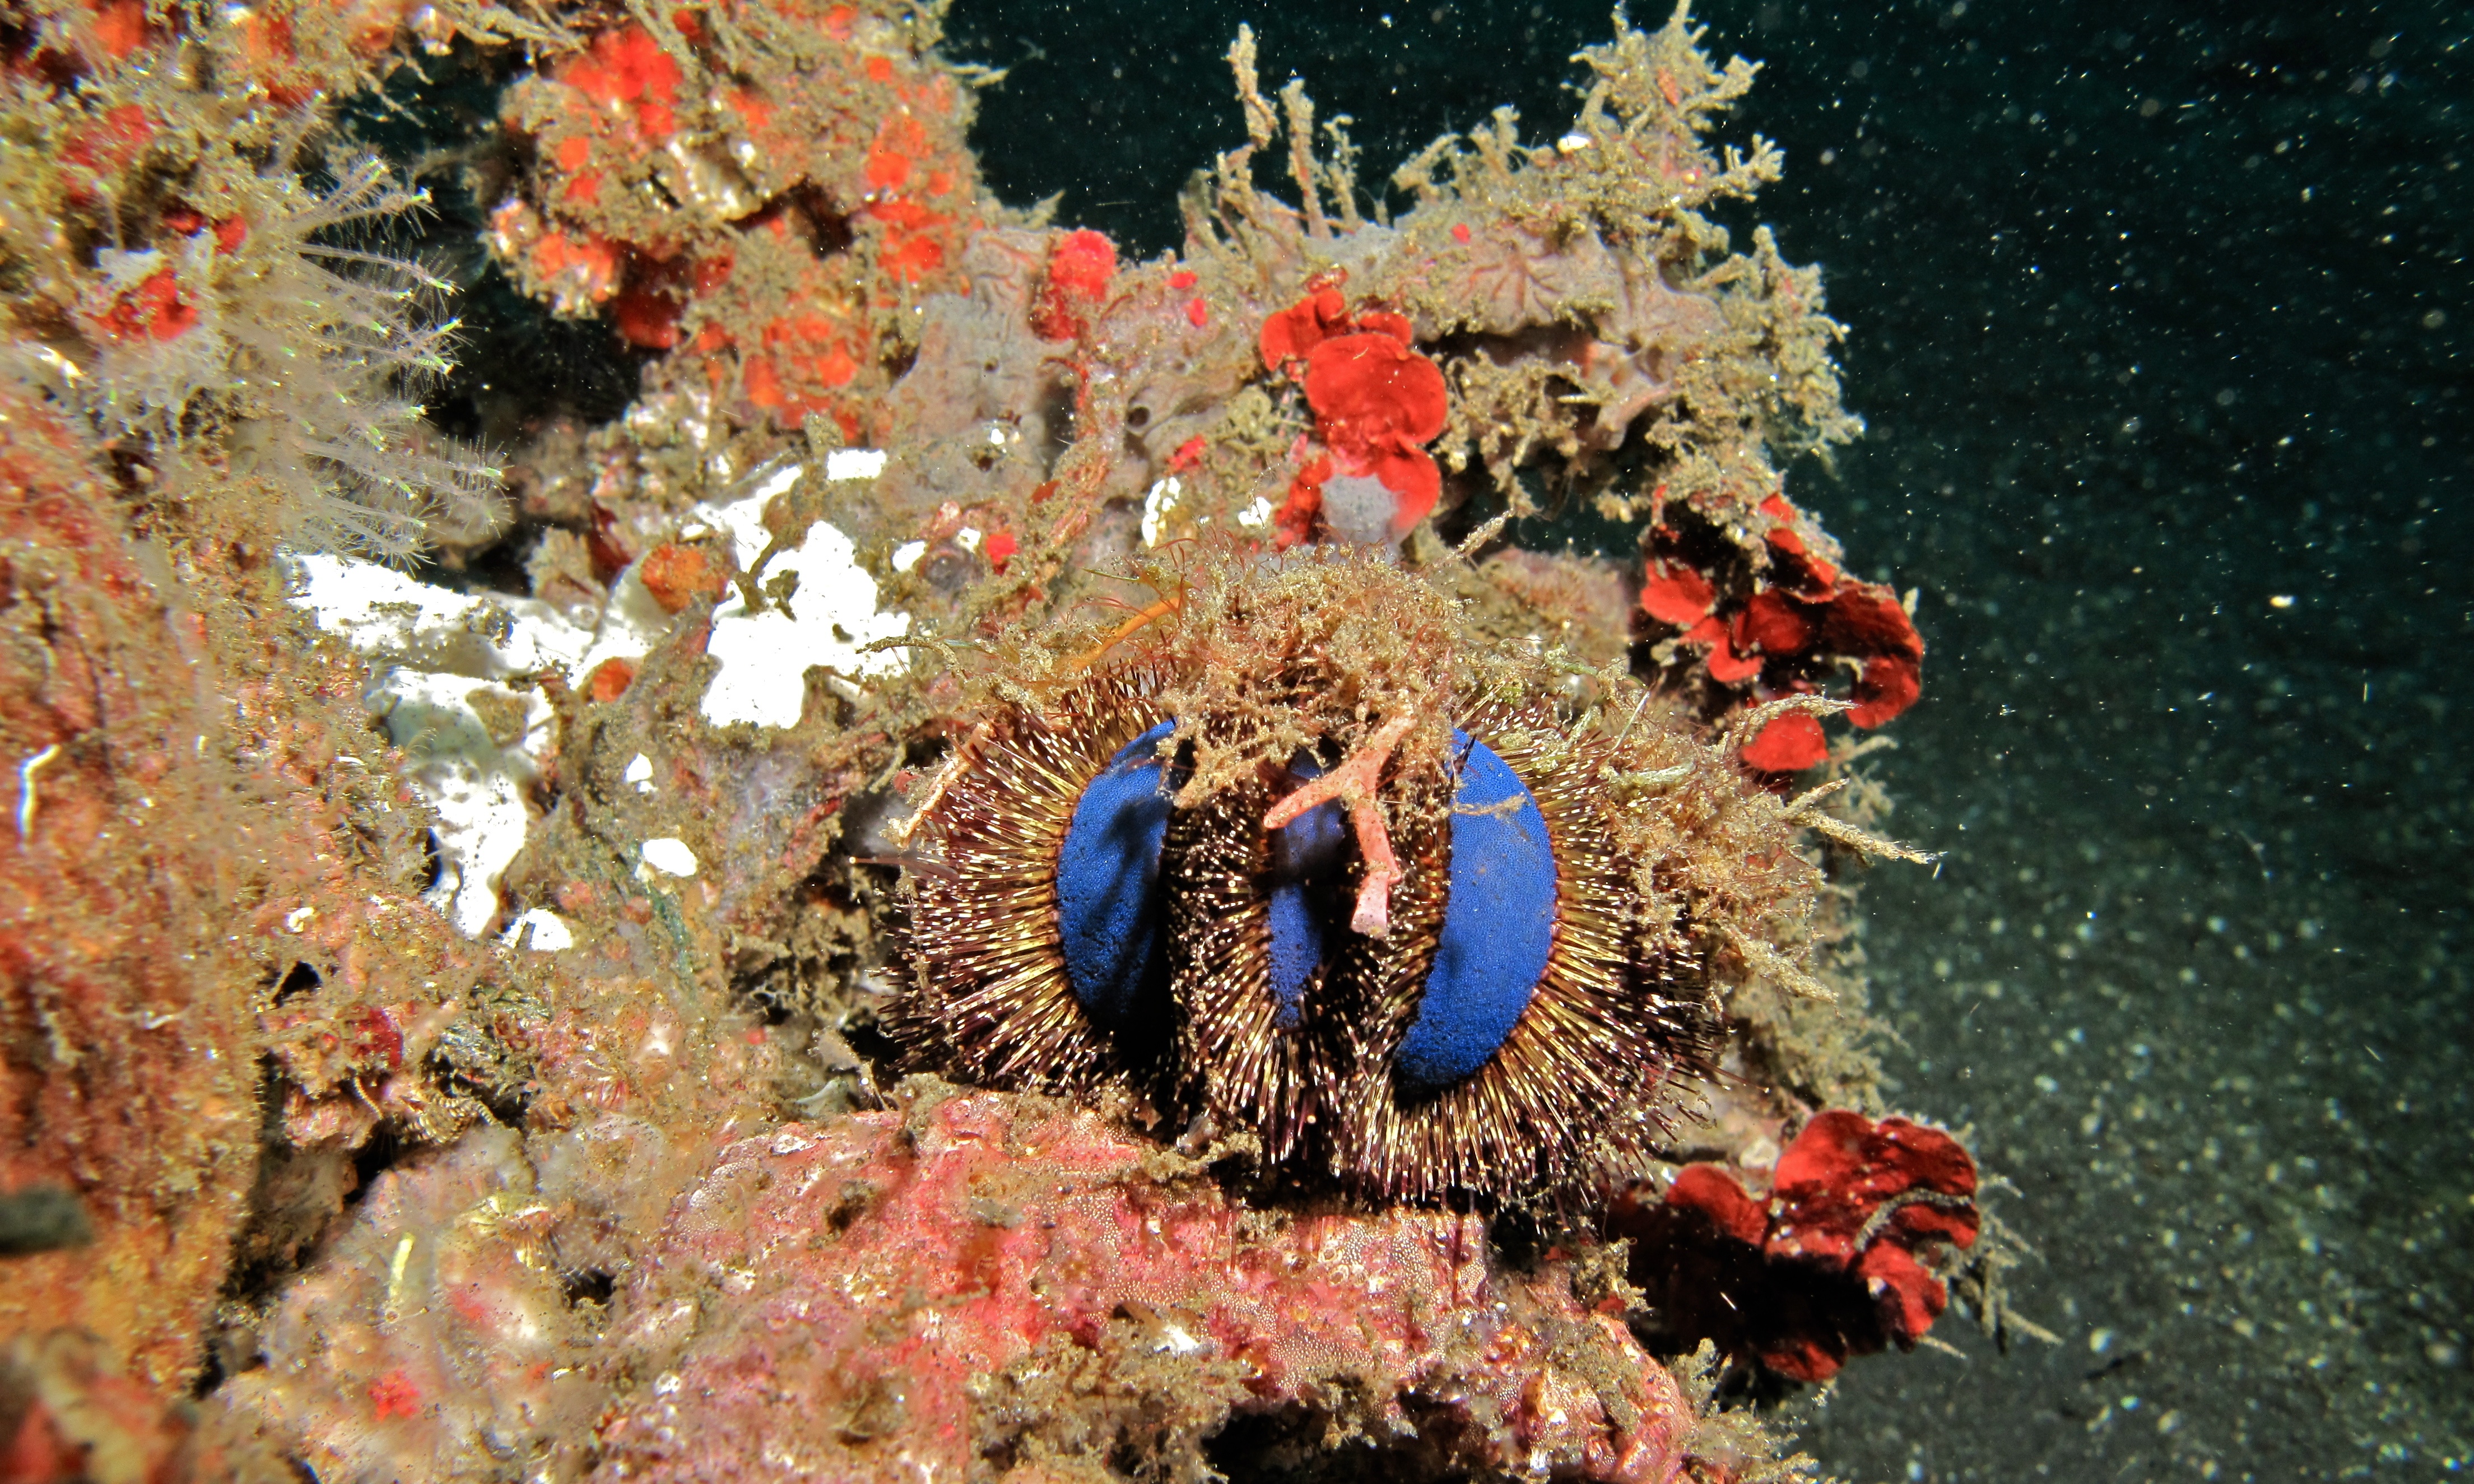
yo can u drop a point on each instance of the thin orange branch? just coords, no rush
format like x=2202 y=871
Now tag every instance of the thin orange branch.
x=1355 y=783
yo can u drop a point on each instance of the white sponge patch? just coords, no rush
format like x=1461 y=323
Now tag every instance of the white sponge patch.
x=819 y=609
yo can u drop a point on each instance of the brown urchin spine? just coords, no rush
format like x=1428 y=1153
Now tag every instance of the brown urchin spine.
x=1288 y=1084
x=989 y=984
x=1585 y=1083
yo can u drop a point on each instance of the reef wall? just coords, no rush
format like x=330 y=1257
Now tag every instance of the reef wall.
x=504 y=1015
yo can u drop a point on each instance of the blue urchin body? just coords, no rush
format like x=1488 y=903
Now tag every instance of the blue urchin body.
x=1107 y=882
x=1309 y=857
x=1498 y=923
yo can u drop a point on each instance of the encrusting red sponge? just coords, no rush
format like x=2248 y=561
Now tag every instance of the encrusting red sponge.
x=1375 y=398
x=1079 y=272
x=1376 y=401
x=1787 y=623
x=1787 y=745
x=1830 y=1265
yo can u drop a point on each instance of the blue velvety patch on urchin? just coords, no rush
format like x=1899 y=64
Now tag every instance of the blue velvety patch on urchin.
x=1107 y=882
x=1308 y=854
x=1498 y=924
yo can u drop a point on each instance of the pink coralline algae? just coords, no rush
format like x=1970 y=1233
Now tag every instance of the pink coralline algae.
x=991 y=1281
x=436 y=1335
x=69 y=1415
x=1839 y=1259
x=127 y=1076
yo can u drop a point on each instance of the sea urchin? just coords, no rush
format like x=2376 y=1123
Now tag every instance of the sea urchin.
x=1338 y=902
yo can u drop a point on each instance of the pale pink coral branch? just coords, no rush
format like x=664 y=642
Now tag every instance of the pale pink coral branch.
x=1373 y=915
x=1354 y=782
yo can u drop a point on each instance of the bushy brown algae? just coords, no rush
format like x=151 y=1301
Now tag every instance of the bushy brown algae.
x=185 y=270
x=1577 y=295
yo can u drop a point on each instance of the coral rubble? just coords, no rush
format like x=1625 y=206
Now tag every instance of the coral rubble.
x=465 y=1019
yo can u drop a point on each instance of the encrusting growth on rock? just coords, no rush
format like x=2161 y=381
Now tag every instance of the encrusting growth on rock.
x=237 y=331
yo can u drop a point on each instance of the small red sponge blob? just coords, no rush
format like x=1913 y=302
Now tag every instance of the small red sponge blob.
x=1787 y=745
x=1772 y=622
x=1713 y=1193
x=1907 y=1298
x=1677 y=595
x=1079 y=270
x=1296 y=330
x=1371 y=387
x=1889 y=684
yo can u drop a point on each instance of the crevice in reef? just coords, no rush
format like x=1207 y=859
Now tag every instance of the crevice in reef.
x=1295 y=1445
